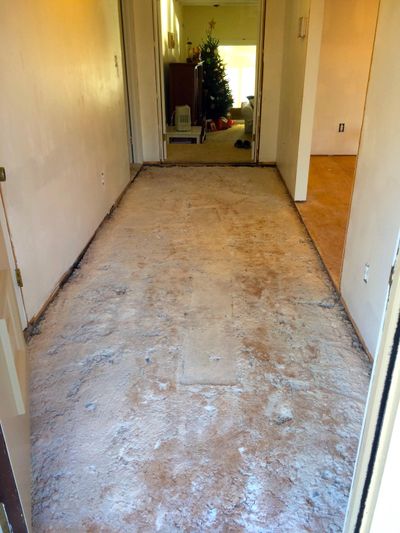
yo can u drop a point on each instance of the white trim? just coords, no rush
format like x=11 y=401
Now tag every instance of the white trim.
x=11 y=261
x=255 y=145
x=369 y=430
x=160 y=79
x=132 y=81
x=314 y=40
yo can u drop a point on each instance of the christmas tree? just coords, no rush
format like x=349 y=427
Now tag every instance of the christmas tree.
x=216 y=92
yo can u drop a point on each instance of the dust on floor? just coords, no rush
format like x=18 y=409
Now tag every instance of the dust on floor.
x=122 y=442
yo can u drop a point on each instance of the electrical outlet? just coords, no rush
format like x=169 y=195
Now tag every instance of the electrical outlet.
x=366 y=273
x=102 y=179
x=341 y=127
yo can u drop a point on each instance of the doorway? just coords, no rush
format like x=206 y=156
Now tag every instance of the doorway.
x=346 y=54
x=209 y=80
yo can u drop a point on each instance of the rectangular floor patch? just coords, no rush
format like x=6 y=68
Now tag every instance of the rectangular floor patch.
x=209 y=355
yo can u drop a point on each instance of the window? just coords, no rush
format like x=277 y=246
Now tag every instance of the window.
x=241 y=71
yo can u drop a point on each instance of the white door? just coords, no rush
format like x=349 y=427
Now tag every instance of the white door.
x=10 y=261
x=14 y=400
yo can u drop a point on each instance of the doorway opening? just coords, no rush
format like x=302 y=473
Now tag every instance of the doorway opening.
x=346 y=55
x=209 y=77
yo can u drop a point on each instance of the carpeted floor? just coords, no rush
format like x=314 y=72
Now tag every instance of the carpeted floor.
x=197 y=372
x=217 y=148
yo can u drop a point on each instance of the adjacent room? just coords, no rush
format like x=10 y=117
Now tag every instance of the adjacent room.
x=209 y=59
x=346 y=52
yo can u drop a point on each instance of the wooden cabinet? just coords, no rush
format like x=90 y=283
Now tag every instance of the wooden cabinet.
x=185 y=88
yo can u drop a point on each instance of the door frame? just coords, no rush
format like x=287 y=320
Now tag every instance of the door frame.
x=127 y=28
x=255 y=145
x=160 y=81
x=12 y=260
x=382 y=404
x=128 y=113
x=308 y=113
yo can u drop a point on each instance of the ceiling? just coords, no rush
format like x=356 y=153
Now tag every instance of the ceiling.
x=220 y=2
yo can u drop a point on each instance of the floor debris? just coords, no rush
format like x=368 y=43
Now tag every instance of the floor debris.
x=121 y=443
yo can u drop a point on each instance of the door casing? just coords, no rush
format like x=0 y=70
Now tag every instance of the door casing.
x=162 y=130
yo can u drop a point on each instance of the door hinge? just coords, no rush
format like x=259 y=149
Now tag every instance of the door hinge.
x=391 y=276
x=4 y=523
x=2 y=174
x=18 y=277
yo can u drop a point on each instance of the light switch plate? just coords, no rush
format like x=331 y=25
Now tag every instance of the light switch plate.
x=171 y=40
x=303 y=22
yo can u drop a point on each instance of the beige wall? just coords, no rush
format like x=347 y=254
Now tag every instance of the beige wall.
x=347 y=41
x=171 y=21
x=272 y=74
x=146 y=67
x=234 y=24
x=298 y=90
x=375 y=215
x=63 y=126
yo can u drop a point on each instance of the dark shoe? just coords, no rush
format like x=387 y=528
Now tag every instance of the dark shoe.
x=246 y=144
x=239 y=144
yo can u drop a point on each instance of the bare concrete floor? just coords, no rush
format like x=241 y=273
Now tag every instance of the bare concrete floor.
x=198 y=372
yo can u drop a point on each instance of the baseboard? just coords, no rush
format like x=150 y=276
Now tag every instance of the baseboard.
x=31 y=328
x=336 y=289
x=168 y=164
x=334 y=155
x=360 y=337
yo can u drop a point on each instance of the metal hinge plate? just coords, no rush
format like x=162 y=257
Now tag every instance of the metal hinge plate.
x=391 y=276
x=2 y=174
x=4 y=523
x=18 y=277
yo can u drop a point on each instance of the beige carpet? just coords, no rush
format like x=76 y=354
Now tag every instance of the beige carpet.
x=217 y=148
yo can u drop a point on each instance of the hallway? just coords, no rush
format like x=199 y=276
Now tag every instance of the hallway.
x=197 y=372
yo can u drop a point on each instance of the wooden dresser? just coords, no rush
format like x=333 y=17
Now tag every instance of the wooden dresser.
x=185 y=88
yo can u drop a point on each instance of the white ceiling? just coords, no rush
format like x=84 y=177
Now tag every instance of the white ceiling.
x=220 y=2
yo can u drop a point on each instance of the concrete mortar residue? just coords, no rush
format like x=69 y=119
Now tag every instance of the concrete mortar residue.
x=120 y=443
